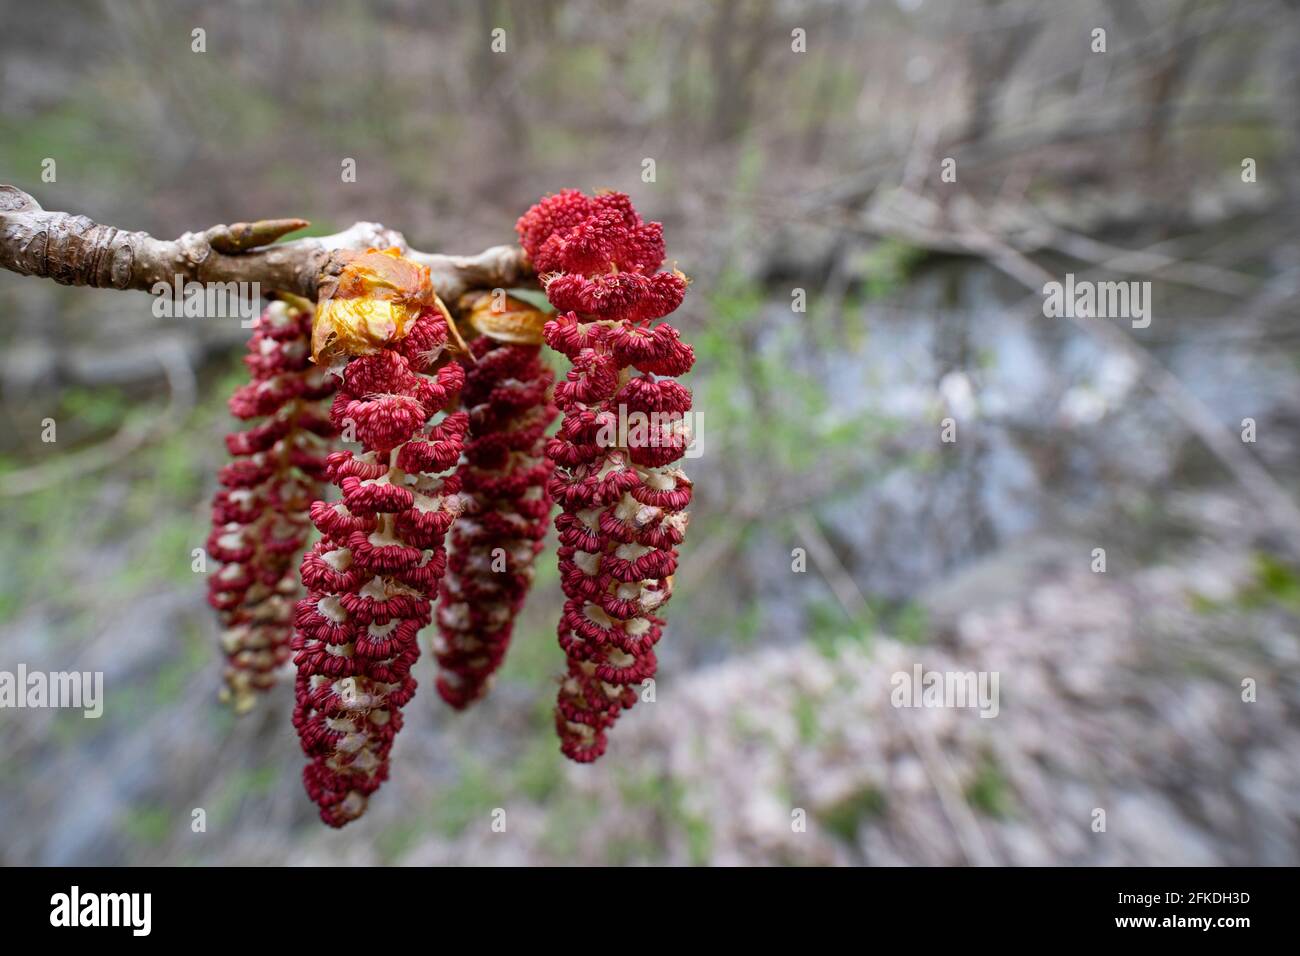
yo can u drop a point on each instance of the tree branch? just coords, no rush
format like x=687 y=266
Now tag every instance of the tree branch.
x=73 y=250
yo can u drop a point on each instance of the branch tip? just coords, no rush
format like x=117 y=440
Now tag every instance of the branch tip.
x=242 y=236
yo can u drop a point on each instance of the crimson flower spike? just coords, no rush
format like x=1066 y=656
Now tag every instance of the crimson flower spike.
x=372 y=578
x=259 y=516
x=503 y=479
x=622 y=497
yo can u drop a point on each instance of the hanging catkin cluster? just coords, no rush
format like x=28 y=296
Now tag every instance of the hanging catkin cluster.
x=444 y=438
x=503 y=481
x=622 y=497
x=259 y=515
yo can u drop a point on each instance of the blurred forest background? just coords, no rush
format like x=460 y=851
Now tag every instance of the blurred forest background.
x=776 y=171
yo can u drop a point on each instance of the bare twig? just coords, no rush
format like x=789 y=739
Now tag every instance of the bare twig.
x=132 y=435
x=1201 y=275
x=920 y=220
x=1279 y=510
x=841 y=582
x=938 y=768
x=73 y=250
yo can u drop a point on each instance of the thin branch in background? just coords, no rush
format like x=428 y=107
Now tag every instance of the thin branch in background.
x=938 y=768
x=133 y=435
x=1200 y=275
x=1277 y=508
x=841 y=583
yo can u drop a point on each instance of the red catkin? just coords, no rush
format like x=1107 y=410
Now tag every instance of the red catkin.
x=260 y=514
x=503 y=480
x=372 y=578
x=622 y=497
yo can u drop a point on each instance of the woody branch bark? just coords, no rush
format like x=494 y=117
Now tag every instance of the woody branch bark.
x=74 y=250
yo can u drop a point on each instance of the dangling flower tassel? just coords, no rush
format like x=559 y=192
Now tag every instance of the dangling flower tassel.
x=373 y=577
x=503 y=480
x=623 y=498
x=260 y=515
